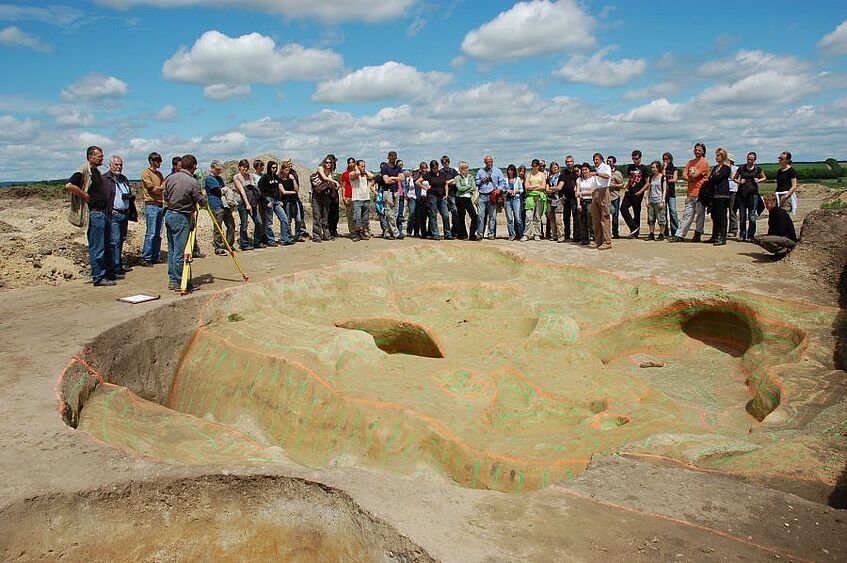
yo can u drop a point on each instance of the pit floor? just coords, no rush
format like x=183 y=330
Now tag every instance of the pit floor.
x=621 y=508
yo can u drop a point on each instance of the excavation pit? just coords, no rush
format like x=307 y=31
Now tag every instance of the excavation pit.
x=467 y=364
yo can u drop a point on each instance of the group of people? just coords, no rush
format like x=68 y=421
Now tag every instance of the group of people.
x=582 y=203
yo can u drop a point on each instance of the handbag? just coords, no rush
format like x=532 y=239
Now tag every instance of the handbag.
x=230 y=197
x=319 y=185
x=495 y=196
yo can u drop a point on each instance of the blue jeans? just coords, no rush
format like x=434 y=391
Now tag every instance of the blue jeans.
x=177 y=225
x=514 y=223
x=412 y=223
x=614 y=211
x=747 y=217
x=454 y=215
x=439 y=206
x=117 y=236
x=243 y=238
x=673 y=217
x=278 y=209
x=484 y=204
x=153 y=217
x=98 y=231
x=292 y=211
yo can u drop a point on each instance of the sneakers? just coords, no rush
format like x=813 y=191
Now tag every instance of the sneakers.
x=674 y=238
x=511 y=237
x=661 y=236
x=490 y=237
x=634 y=234
x=145 y=264
x=651 y=236
x=356 y=238
x=105 y=282
x=536 y=238
x=524 y=238
x=173 y=287
x=697 y=237
x=220 y=252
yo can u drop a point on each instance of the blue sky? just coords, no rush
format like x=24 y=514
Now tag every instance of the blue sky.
x=466 y=77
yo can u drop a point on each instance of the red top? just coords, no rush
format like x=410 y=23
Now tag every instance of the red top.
x=348 y=188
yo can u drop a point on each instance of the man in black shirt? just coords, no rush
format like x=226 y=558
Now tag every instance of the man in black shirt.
x=631 y=205
x=450 y=173
x=781 y=237
x=567 y=178
x=88 y=185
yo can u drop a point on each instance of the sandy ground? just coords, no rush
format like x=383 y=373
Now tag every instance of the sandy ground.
x=621 y=509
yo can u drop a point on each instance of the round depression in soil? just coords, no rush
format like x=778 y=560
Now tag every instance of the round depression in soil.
x=469 y=364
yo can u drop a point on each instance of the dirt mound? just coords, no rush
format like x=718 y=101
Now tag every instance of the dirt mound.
x=823 y=245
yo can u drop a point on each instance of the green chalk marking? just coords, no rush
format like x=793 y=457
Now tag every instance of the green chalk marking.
x=495 y=482
x=107 y=405
x=544 y=480
x=520 y=482
x=369 y=441
x=206 y=437
x=475 y=474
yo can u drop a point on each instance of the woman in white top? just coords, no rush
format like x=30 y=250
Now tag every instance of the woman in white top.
x=584 y=189
x=249 y=207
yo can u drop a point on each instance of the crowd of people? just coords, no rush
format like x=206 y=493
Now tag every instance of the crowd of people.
x=582 y=203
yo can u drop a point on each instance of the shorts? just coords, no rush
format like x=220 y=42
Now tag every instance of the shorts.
x=655 y=212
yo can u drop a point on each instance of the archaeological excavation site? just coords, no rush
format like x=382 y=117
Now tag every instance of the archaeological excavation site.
x=440 y=404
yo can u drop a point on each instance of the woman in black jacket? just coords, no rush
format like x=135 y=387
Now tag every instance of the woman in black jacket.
x=719 y=184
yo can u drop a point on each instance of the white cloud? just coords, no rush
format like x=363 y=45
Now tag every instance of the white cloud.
x=264 y=128
x=217 y=59
x=221 y=92
x=531 y=28
x=167 y=113
x=389 y=80
x=325 y=10
x=835 y=43
x=69 y=116
x=13 y=36
x=756 y=90
x=598 y=71
x=94 y=86
x=657 y=111
x=14 y=131
x=658 y=89
x=745 y=62
x=52 y=14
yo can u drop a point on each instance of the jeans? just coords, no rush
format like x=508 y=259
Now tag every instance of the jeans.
x=278 y=209
x=439 y=205
x=484 y=206
x=694 y=212
x=98 y=231
x=292 y=211
x=117 y=235
x=631 y=211
x=672 y=223
x=614 y=211
x=747 y=216
x=464 y=205
x=223 y=216
x=243 y=238
x=514 y=222
x=361 y=215
x=154 y=215
x=177 y=226
x=401 y=209
x=412 y=225
x=299 y=218
x=719 y=217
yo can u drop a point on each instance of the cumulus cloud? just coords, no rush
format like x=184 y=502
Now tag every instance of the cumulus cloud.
x=13 y=36
x=221 y=92
x=531 y=28
x=658 y=89
x=264 y=128
x=755 y=90
x=835 y=43
x=167 y=113
x=657 y=111
x=217 y=59
x=745 y=62
x=69 y=116
x=599 y=71
x=326 y=10
x=14 y=131
x=94 y=86
x=389 y=80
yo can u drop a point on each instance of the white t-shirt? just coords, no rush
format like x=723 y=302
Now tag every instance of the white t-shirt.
x=585 y=186
x=603 y=169
x=360 y=191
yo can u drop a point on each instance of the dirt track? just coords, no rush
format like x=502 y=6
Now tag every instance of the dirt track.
x=620 y=509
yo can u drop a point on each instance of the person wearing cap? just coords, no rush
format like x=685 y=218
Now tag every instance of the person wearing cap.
x=154 y=213
x=214 y=184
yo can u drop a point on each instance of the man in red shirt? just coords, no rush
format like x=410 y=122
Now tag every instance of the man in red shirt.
x=696 y=173
x=347 y=196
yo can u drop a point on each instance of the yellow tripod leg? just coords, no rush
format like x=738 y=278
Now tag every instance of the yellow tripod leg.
x=229 y=249
x=186 y=261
